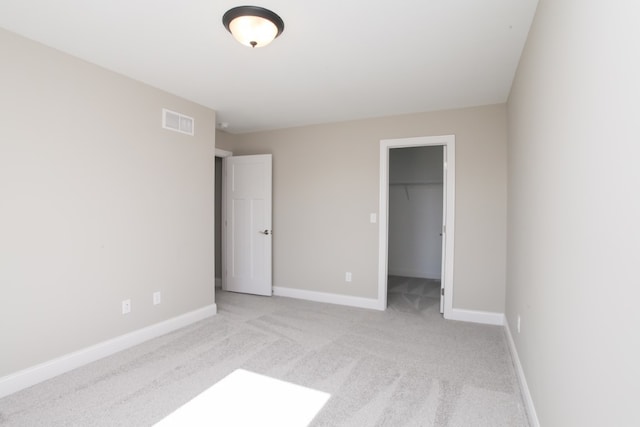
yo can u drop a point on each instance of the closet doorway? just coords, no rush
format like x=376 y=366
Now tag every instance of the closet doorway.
x=416 y=223
x=415 y=227
x=219 y=205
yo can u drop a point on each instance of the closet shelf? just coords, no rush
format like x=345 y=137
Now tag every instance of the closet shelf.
x=406 y=185
x=416 y=183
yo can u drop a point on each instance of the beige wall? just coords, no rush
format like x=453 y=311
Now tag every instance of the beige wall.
x=225 y=140
x=326 y=183
x=97 y=204
x=574 y=239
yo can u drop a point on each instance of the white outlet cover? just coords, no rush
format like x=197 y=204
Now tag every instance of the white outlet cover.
x=347 y=276
x=373 y=218
x=157 y=298
x=126 y=306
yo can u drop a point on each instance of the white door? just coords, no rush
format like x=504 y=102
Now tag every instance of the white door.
x=247 y=222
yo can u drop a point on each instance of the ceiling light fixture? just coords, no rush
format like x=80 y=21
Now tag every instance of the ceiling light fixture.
x=252 y=25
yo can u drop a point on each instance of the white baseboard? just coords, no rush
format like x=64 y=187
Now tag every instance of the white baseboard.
x=526 y=395
x=485 y=317
x=351 y=301
x=44 y=371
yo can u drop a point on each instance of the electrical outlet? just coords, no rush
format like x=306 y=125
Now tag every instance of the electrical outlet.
x=126 y=306
x=518 y=323
x=157 y=298
x=347 y=276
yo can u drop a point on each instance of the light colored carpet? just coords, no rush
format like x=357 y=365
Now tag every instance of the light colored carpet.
x=403 y=367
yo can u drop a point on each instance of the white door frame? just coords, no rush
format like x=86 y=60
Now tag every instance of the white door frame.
x=223 y=243
x=448 y=141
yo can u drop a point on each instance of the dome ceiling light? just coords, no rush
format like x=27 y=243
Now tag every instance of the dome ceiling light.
x=252 y=25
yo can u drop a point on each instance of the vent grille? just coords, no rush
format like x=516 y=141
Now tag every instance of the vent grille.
x=177 y=122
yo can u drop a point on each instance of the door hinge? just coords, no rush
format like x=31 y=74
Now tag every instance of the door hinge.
x=442 y=291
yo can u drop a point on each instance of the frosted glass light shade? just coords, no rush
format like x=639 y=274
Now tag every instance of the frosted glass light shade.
x=252 y=25
x=253 y=30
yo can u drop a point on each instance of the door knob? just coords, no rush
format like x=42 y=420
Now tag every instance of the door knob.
x=265 y=232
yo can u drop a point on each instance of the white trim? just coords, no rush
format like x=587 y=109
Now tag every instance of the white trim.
x=448 y=141
x=27 y=377
x=476 y=316
x=222 y=153
x=328 y=298
x=223 y=244
x=524 y=387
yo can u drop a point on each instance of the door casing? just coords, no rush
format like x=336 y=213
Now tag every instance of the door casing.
x=222 y=154
x=448 y=141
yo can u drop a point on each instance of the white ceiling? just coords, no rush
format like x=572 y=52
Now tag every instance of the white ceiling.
x=337 y=60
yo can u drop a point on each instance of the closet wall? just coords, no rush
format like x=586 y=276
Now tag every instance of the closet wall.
x=415 y=211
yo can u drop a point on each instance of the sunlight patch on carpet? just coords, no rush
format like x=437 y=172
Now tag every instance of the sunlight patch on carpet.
x=244 y=398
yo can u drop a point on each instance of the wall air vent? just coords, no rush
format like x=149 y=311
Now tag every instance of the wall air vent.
x=177 y=122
